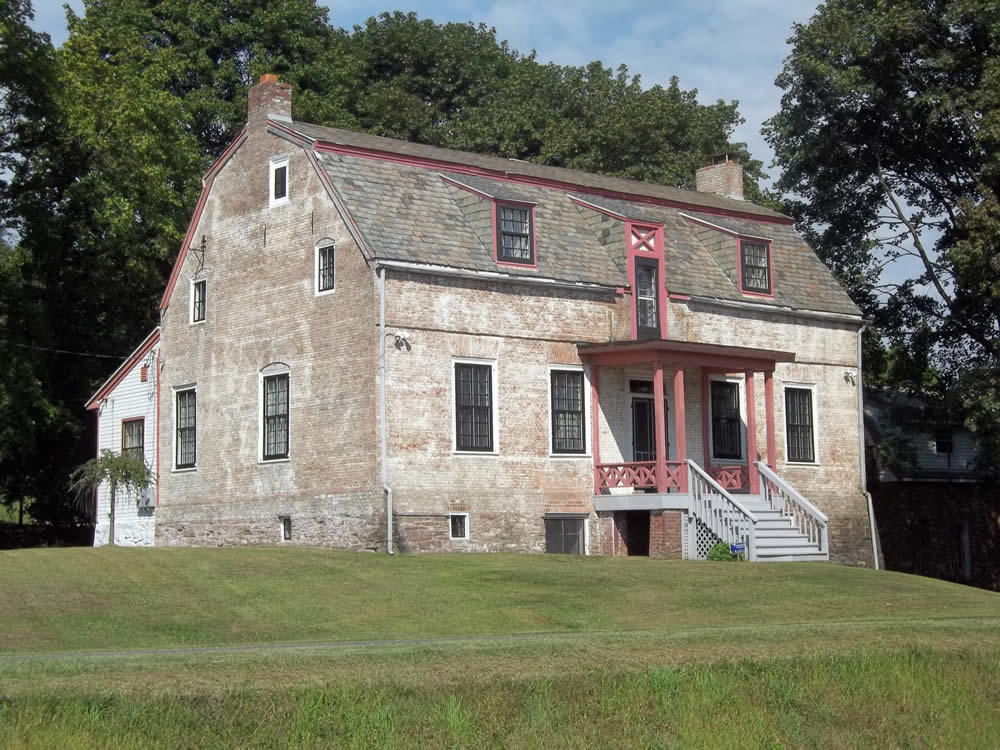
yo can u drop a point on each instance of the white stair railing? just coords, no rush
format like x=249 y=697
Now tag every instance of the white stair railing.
x=806 y=517
x=720 y=512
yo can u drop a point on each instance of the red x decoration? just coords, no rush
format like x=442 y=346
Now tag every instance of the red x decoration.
x=643 y=238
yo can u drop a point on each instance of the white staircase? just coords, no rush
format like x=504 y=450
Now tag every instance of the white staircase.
x=778 y=525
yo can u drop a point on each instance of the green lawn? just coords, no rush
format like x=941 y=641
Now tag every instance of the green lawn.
x=536 y=651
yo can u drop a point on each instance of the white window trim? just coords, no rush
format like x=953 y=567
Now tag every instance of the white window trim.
x=811 y=387
x=494 y=403
x=276 y=163
x=459 y=538
x=173 y=428
x=588 y=437
x=320 y=246
x=741 y=385
x=191 y=320
x=276 y=368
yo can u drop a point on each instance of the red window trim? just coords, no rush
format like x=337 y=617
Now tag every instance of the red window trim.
x=770 y=267
x=531 y=232
x=639 y=248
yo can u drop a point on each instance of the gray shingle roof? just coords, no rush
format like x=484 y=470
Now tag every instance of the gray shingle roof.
x=411 y=213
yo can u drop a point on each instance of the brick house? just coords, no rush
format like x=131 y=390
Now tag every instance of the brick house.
x=367 y=343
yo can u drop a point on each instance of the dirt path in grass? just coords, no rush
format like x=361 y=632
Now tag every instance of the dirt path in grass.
x=386 y=644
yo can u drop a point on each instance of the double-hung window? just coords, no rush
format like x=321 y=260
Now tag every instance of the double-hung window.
x=275 y=427
x=514 y=235
x=199 y=291
x=186 y=419
x=647 y=309
x=799 y=425
x=755 y=266
x=726 y=434
x=568 y=414
x=473 y=407
x=133 y=438
x=324 y=269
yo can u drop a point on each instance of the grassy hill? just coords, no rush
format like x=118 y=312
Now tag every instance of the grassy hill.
x=275 y=646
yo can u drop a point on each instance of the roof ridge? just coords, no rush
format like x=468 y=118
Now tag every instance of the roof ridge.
x=580 y=179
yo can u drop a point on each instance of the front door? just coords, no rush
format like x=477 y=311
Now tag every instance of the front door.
x=644 y=429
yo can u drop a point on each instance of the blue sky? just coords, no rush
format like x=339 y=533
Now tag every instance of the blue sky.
x=727 y=49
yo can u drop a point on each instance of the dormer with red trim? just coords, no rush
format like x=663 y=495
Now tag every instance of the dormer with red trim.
x=745 y=258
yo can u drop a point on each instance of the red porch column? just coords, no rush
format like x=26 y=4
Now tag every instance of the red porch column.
x=769 y=416
x=752 y=435
x=680 y=424
x=595 y=422
x=661 y=428
x=706 y=394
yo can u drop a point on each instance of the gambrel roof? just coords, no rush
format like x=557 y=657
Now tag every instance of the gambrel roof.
x=427 y=205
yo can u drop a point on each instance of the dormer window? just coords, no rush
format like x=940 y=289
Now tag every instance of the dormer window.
x=515 y=237
x=755 y=266
x=279 y=180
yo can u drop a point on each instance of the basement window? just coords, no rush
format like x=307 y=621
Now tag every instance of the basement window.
x=458 y=526
x=565 y=534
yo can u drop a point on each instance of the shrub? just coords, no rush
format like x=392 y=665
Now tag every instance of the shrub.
x=720 y=553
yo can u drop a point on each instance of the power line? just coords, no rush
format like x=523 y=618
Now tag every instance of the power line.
x=33 y=347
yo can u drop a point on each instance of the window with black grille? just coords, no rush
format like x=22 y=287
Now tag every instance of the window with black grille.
x=186 y=424
x=726 y=436
x=275 y=417
x=799 y=425
x=514 y=235
x=199 y=292
x=324 y=269
x=473 y=407
x=133 y=438
x=756 y=260
x=647 y=309
x=567 y=412
x=564 y=535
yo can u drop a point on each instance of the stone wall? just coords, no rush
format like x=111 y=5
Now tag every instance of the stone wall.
x=262 y=310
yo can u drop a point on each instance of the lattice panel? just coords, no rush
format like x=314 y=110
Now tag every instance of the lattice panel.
x=704 y=541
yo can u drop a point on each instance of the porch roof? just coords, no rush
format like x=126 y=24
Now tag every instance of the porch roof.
x=669 y=351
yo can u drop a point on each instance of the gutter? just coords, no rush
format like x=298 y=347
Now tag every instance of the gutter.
x=861 y=454
x=780 y=310
x=380 y=281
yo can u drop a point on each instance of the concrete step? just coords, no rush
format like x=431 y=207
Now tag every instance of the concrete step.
x=794 y=557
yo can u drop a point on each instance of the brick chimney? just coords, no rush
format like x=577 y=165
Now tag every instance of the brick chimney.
x=723 y=177
x=269 y=99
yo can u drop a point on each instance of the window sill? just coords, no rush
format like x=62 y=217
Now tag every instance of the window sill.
x=570 y=455
x=458 y=539
x=197 y=323
x=185 y=470
x=811 y=464
x=476 y=453
x=278 y=203
x=266 y=461
x=324 y=293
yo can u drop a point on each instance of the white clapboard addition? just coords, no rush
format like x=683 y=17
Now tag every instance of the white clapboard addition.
x=129 y=394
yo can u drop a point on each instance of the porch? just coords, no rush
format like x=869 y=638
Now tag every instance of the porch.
x=676 y=431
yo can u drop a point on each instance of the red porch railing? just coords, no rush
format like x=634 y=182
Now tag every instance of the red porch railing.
x=730 y=477
x=639 y=475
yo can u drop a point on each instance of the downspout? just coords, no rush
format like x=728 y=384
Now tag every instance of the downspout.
x=380 y=276
x=861 y=446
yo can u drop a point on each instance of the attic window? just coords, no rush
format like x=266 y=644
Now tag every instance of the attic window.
x=515 y=237
x=279 y=180
x=755 y=266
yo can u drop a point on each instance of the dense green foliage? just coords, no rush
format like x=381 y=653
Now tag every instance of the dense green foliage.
x=121 y=472
x=889 y=139
x=107 y=137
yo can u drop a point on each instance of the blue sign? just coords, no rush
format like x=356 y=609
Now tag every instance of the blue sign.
x=737 y=548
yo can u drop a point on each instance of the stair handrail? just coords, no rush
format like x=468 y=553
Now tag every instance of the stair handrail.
x=721 y=524
x=817 y=523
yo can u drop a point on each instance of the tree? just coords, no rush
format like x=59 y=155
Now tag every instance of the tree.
x=889 y=140
x=120 y=471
